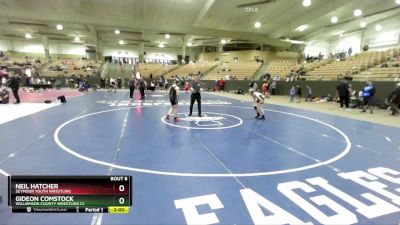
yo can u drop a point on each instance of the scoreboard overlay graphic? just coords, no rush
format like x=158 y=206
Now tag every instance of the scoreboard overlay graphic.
x=88 y=194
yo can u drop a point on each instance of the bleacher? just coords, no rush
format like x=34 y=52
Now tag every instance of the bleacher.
x=68 y=67
x=282 y=66
x=378 y=73
x=351 y=66
x=145 y=69
x=157 y=69
x=387 y=71
x=165 y=69
x=191 y=68
x=11 y=60
x=310 y=66
x=238 y=69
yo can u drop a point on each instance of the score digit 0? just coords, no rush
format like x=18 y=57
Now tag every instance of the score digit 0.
x=121 y=201
x=121 y=188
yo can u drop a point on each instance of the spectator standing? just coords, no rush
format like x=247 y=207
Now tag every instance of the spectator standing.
x=14 y=85
x=292 y=93
x=349 y=51
x=119 y=81
x=217 y=85
x=394 y=100
x=187 y=87
x=131 y=85
x=309 y=93
x=142 y=87
x=166 y=85
x=102 y=83
x=369 y=97
x=298 y=94
x=273 y=87
x=264 y=88
x=222 y=84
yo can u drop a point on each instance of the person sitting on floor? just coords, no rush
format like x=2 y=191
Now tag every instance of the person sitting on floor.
x=113 y=85
x=4 y=95
x=84 y=86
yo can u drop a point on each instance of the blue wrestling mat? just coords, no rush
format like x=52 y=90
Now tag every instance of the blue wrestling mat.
x=295 y=167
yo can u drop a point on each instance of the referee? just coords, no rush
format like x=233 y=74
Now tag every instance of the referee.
x=195 y=88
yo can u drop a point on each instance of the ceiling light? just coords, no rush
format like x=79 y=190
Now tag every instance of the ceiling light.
x=121 y=42
x=28 y=36
x=306 y=3
x=357 y=12
x=167 y=36
x=293 y=41
x=189 y=44
x=117 y=32
x=77 y=39
x=398 y=2
x=334 y=19
x=60 y=27
x=378 y=27
x=302 y=28
x=257 y=24
x=339 y=32
x=363 y=24
x=161 y=45
x=223 y=41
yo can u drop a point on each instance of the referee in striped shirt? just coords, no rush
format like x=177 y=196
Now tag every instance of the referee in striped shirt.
x=195 y=88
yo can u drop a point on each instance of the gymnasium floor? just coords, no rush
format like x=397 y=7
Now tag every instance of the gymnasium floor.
x=295 y=167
